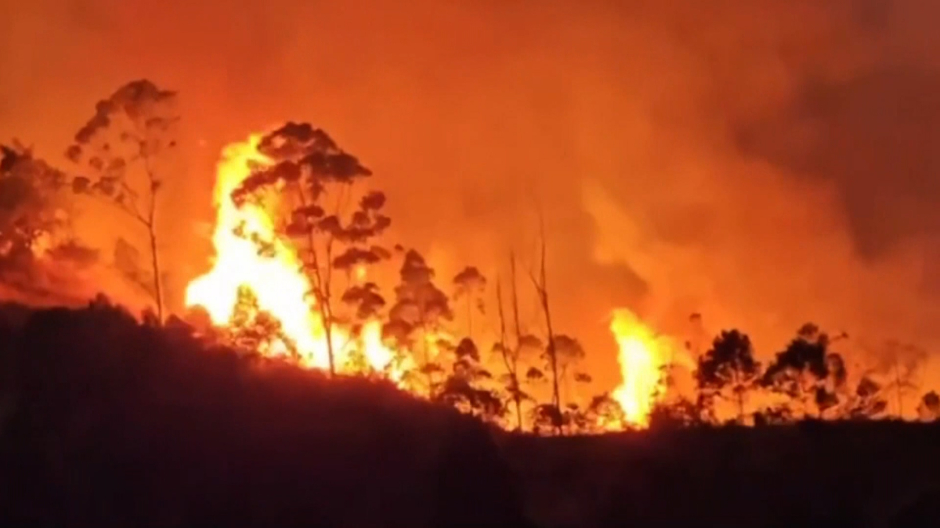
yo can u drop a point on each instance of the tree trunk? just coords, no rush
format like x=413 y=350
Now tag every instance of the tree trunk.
x=552 y=352
x=155 y=262
x=321 y=286
x=328 y=332
x=426 y=354
x=512 y=367
x=151 y=224
x=541 y=287
x=157 y=282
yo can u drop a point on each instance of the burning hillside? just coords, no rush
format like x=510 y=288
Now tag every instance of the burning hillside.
x=300 y=274
x=284 y=234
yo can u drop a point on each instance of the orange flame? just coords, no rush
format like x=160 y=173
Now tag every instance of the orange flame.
x=278 y=282
x=276 y=278
x=641 y=359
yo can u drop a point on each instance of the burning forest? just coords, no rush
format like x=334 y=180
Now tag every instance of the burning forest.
x=300 y=238
x=469 y=264
x=296 y=233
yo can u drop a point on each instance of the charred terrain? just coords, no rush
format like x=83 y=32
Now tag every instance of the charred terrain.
x=110 y=422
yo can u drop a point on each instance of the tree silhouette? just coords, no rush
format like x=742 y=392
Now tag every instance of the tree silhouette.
x=318 y=181
x=547 y=417
x=461 y=388
x=255 y=330
x=867 y=401
x=28 y=204
x=515 y=350
x=729 y=366
x=800 y=370
x=366 y=300
x=677 y=414
x=124 y=148
x=929 y=408
x=509 y=357
x=419 y=310
x=469 y=285
x=603 y=411
x=35 y=224
x=901 y=363
x=366 y=303
x=568 y=353
x=540 y=283
x=28 y=218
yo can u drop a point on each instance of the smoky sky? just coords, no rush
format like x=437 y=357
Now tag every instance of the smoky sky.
x=762 y=162
x=873 y=137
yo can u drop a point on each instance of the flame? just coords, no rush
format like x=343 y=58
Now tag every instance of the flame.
x=276 y=278
x=280 y=286
x=641 y=359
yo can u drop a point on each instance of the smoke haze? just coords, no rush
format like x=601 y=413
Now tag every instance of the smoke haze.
x=763 y=162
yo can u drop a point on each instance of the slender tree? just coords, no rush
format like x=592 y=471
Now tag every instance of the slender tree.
x=318 y=181
x=509 y=358
x=540 y=283
x=800 y=370
x=469 y=286
x=515 y=348
x=418 y=313
x=124 y=149
x=729 y=366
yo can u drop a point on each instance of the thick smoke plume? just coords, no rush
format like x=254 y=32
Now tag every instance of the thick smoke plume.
x=763 y=162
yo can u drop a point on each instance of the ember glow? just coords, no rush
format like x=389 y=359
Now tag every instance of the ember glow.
x=641 y=359
x=275 y=278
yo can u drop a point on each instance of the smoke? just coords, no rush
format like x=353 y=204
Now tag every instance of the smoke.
x=762 y=162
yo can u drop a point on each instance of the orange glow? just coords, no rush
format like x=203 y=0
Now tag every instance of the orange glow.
x=641 y=359
x=280 y=286
x=276 y=278
x=360 y=272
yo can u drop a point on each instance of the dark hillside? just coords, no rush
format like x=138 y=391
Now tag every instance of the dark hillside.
x=105 y=422
x=811 y=474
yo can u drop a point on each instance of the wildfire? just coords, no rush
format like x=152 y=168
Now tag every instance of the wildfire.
x=279 y=285
x=275 y=278
x=641 y=359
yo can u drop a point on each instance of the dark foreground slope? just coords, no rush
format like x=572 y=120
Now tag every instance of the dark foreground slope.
x=811 y=474
x=104 y=422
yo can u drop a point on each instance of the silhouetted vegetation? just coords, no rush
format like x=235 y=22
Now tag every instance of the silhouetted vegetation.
x=36 y=225
x=123 y=153
x=728 y=367
x=318 y=180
